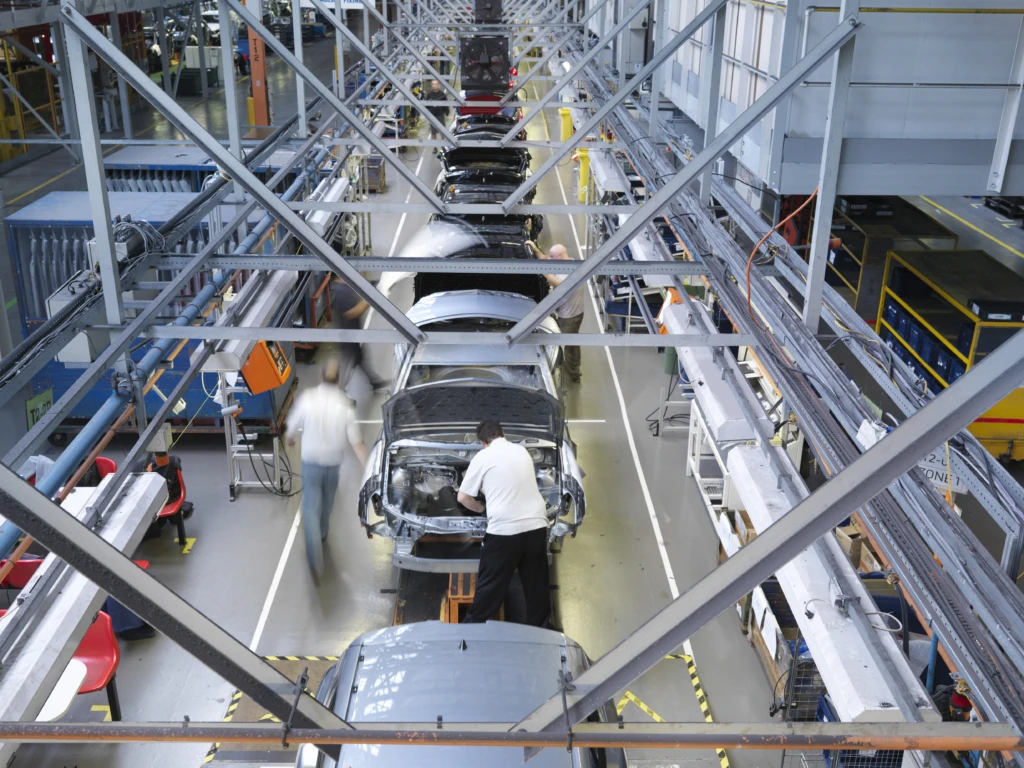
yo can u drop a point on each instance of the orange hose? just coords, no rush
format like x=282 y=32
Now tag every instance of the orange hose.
x=760 y=242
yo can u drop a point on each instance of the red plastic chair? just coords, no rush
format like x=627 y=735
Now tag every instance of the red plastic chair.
x=100 y=654
x=20 y=574
x=173 y=511
x=105 y=466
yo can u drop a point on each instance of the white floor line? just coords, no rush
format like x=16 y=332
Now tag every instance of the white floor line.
x=662 y=550
x=276 y=581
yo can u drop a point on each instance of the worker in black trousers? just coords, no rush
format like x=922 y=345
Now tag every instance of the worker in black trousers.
x=517 y=526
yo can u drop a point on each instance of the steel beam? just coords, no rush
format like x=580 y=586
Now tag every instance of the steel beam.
x=809 y=736
x=227 y=67
x=712 y=85
x=574 y=72
x=870 y=474
x=338 y=106
x=453 y=209
x=1008 y=118
x=658 y=76
x=637 y=221
x=828 y=175
x=606 y=108
x=201 y=38
x=457 y=266
x=181 y=57
x=165 y=66
x=396 y=81
x=412 y=49
x=302 y=231
x=468 y=338
x=92 y=162
x=552 y=51
x=300 y=86
x=122 y=86
x=108 y=568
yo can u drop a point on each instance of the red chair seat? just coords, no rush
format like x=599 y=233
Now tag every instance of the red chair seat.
x=171 y=508
x=20 y=574
x=100 y=653
x=105 y=466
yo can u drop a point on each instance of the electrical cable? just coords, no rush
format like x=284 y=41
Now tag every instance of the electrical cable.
x=761 y=242
x=887 y=616
x=269 y=488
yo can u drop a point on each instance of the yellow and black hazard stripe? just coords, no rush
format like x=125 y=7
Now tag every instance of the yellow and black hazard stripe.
x=236 y=699
x=301 y=658
x=702 y=700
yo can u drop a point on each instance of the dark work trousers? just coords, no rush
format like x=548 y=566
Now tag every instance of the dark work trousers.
x=500 y=556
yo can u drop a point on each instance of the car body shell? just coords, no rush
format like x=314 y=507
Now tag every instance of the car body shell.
x=441 y=393
x=430 y=672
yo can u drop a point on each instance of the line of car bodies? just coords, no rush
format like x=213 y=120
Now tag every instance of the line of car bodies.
x=497 y=671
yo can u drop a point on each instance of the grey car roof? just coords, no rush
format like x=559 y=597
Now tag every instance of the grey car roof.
x=416 y=672
x=451 y=305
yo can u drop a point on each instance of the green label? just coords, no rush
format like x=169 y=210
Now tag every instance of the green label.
x=37 y=405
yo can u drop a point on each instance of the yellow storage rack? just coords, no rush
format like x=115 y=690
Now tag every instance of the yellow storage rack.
x=869 y=228
x=941 y=312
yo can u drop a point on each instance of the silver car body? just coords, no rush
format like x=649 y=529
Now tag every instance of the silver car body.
x=415 y=468
x=417 y=673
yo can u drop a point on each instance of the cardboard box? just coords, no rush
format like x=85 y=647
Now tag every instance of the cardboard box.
x=744 y=528
x=851 y=541
x=868 y=560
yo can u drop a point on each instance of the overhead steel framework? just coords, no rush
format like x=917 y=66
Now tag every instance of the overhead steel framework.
x=882 y=484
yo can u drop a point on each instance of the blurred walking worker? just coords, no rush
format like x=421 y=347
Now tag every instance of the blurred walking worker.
x=569 y=313
x=323 y=415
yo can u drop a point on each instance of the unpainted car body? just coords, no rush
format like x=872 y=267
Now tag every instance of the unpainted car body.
x=430 y=672
x=414 y=471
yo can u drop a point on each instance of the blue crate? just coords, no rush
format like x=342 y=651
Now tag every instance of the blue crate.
x=928 y=347
x=964 y=338
x=914 y=335
x=902 y=323
x=942 y=362
x=852 y=758
x=890 y=311
x=956 y=370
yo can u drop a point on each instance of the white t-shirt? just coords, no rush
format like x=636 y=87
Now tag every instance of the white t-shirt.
x=505 y=473
x=325 y=418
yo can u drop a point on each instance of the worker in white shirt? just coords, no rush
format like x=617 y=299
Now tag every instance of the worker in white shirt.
x=568 y=314
x=325 y=417
x=517 y=526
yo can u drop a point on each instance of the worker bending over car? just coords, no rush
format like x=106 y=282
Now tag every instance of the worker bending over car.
x=517 y=526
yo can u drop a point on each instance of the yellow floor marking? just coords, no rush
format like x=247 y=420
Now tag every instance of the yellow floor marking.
x=270 y=717
x=629 y=696
x=976 y=229
x=189 y=543
x=102 y=708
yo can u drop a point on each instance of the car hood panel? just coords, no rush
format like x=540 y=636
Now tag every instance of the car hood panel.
x=458 y=406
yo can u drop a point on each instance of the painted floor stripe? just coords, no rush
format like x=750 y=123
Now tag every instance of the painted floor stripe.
x=979 y=230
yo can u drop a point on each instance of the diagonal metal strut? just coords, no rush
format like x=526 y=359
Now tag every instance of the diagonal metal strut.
x=187 y=125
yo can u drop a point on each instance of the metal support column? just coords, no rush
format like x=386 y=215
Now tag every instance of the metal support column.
x=122 y=86
x=711 y=96
x=227 y=68
x=658 y=78
x=201 y=37
x=67 y=96
x=828 y=173
x=1008 y=119
x=623 y=43
x=366 y=39
x=829 y=44
x=300 y=86
x=869 y=475
x=92 y=161
x=165 y=66
x=187 y=125
x=339 y=48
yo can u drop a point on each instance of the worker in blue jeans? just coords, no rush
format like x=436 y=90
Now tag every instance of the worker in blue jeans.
x=324 y=416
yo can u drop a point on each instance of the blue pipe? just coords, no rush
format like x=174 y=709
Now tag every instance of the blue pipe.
x=933 y=657
x=94 y=429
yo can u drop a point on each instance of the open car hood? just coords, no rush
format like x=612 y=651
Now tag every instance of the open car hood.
x=458 y=406
x=456 y=159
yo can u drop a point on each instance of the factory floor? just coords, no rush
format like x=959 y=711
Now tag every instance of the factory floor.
x=646 y=537
x=247 y=569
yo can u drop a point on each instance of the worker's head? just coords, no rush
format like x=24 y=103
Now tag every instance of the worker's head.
x=488 y=431
x=161 y=459
x=435 y=85
x=558 y=251
x=331 y=372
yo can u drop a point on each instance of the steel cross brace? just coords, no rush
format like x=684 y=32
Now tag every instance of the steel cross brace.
x=395 y=81
x=725 y=139
x=421 y=28
x=109 y=569
x=354 y=122
x=415 y=53
x=848 y=490
x=551 y=52
x=187 y=125
x=573 y=73
x=606 y=108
